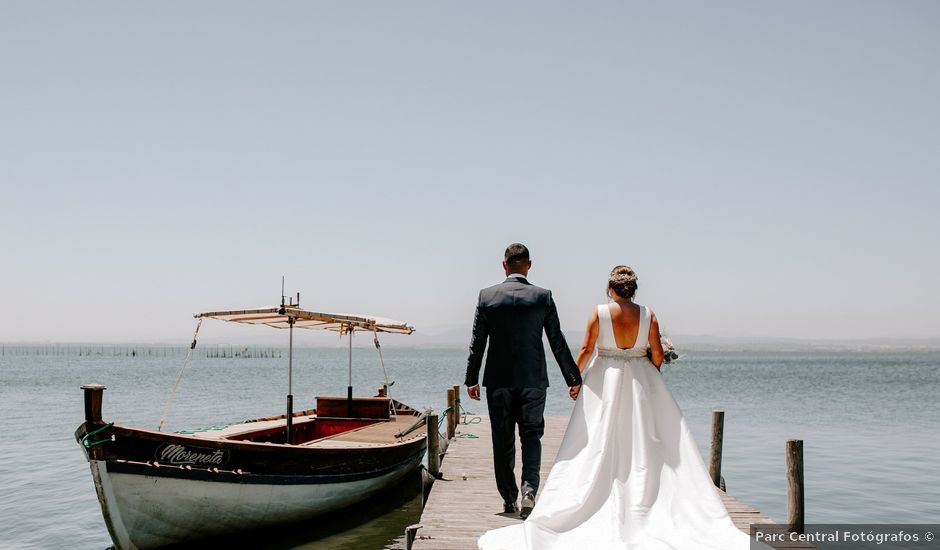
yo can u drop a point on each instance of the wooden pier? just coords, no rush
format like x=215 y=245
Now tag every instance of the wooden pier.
x=464 y=503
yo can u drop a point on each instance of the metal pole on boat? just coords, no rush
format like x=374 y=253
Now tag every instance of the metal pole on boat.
x=290 y=380
x=349 y=401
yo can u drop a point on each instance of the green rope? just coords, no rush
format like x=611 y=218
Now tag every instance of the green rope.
x=88 y=443
x=475 y=420
x=468 y=418
x=206 y=429
x=444 y=430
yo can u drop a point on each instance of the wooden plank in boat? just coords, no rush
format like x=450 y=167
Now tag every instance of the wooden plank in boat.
x=381 y=432
x=375 y=434
x=246 y=427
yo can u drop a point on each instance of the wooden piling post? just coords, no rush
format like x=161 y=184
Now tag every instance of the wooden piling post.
x=451 y=424
x=795 y=485
x=718 y=434
x=94 y=395
x=434 y=446
x=456 y=406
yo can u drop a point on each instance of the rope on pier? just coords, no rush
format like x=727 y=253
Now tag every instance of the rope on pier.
x=474 y=420
x=468 y=417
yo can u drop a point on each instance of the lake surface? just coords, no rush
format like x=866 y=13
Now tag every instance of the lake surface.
x=869 y=422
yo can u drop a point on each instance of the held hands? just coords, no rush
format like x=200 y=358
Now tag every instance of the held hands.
x=574 y=391
x=474 y=392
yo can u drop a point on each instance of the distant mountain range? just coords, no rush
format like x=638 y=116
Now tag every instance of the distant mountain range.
x=725 y=343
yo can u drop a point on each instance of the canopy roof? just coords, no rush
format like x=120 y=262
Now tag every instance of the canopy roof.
x=279 y=317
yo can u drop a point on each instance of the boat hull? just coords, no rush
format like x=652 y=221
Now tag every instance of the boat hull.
x=157 y=489
x=148 y=510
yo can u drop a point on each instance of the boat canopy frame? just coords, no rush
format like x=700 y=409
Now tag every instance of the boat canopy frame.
x=289 y=316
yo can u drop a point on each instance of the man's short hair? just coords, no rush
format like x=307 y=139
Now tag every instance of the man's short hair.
x=516 y=254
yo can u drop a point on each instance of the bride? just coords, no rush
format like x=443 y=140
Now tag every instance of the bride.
x=628 y=473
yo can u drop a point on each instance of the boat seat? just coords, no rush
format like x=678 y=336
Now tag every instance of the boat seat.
x=372 y=408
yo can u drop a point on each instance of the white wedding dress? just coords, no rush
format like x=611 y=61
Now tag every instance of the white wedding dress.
x=628 y=474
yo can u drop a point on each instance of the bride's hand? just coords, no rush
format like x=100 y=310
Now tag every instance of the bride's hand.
x=573 y=391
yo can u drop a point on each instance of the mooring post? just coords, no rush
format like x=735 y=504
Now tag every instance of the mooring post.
x=456 y=406
x=94 y=395
x=718 y=434
x=451 y=402
x=795 y=485
x=410 y=533
x=434 y=446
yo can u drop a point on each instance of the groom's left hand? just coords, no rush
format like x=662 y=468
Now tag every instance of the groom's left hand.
x=574 y=391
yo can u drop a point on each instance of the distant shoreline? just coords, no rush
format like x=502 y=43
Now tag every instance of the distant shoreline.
x=683 y=344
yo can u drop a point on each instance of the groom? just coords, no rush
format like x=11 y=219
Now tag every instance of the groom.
x=512 y=315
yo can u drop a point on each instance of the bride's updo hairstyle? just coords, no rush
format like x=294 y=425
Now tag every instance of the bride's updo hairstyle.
x=622 y=281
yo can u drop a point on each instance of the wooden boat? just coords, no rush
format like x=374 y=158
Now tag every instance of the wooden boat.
x=157 y=488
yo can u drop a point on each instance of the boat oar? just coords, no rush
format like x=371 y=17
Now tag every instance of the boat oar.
x=414 y=426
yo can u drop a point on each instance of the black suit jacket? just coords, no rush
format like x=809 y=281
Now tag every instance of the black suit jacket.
x=512 y=315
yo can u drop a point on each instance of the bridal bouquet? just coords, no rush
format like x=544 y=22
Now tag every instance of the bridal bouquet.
x=669 y=350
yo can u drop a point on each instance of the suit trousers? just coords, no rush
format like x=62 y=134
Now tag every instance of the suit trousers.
x=509 y=407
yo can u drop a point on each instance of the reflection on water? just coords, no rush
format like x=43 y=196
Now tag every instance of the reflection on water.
x=375 y=523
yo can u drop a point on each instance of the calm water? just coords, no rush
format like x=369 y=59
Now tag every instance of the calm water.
x=869 y=422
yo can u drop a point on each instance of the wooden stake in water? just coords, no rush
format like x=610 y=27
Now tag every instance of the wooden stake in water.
x=795 y=485
x=718 y=434
x=451 y=424
x=434 y=446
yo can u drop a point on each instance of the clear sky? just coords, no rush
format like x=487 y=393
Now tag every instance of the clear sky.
x=768 y=168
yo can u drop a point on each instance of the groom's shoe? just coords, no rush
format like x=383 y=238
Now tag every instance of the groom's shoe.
x=528 y=500
x=510 y=508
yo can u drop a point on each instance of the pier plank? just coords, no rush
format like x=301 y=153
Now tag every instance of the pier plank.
x=464 y=503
